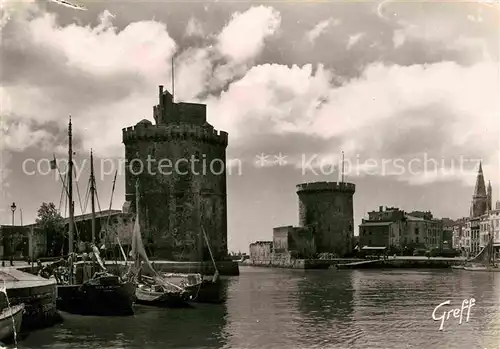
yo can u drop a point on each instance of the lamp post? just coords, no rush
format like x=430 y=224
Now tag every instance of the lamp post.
x=13 y=209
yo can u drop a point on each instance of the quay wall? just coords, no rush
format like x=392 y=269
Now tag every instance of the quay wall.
x=226 y=268
x=409 y=263
x=285 y=261
x=414 y=263
x=37 y=294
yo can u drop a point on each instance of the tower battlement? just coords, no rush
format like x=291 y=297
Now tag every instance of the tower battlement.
x=326 y=186
x=145 y=130
x=168 y=112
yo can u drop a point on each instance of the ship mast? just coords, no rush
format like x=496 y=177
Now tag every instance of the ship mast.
x=92 y=194
x=70 y=189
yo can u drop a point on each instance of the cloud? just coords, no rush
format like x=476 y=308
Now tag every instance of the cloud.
x=243 y=38
x=194 y=28
x=389 y=111
x=320 y=28
x=398 y=38
x=354 y=39
x=107 y=78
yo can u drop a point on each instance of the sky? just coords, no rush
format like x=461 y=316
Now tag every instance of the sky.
x=407 y=90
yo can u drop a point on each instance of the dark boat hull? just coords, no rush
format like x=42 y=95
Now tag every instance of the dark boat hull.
x=207 y=292
x=99 y=300
x=162 y=299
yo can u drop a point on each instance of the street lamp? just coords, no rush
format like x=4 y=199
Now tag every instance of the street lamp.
x=13 y=209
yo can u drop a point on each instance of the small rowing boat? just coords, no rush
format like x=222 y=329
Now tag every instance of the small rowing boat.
x=10 y=322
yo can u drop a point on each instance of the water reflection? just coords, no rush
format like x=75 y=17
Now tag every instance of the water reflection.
x=394 y=309
x=150 y=327
x=262 y=309
x=279 y=308
x=326 y=304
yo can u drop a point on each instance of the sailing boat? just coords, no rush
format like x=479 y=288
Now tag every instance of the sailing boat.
x=203 y=290
x=80 y=292
x=151 y=290
x=484 y=261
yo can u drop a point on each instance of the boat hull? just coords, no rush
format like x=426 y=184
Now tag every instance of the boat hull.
x=7 y=327
x=100 y=300
x=201 y=291
x=161 y=299
x=207 y=292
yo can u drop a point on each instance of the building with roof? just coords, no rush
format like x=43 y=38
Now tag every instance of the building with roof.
x=29 y=240
x=392 y=227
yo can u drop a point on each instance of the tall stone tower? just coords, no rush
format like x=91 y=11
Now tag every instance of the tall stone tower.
x=327 y=209
x=182 y=180
x=479 y=204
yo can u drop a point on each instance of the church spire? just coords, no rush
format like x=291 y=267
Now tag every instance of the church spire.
x=480 y=198
x=480 y=189
x=490 y=196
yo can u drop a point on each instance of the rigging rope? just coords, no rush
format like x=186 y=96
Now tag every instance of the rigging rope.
x=62 y=195
x=87 y=195
x=78 y=193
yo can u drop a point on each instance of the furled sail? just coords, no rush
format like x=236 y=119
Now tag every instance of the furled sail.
x=484 y=256
x=138 y=252
x=98 y=256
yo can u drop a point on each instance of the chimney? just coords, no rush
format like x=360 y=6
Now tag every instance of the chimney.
x=381 y=208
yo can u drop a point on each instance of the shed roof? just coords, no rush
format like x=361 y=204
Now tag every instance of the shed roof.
x=380 y=248
x=375 y=224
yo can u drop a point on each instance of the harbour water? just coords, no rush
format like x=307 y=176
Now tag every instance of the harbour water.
x=279 y=308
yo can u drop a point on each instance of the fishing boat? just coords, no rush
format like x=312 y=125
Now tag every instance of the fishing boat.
x=84 y=286
x=10 y=322
x=151 y=290
x=202 y=290
x=484 y=261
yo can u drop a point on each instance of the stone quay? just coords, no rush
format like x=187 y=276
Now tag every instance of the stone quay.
x=37 y=294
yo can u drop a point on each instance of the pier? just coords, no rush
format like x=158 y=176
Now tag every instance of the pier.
x=37 y=294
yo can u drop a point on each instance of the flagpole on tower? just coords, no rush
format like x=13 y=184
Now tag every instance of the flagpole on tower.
x=173 y=78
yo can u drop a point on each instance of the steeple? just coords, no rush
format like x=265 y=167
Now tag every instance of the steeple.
x=490 y=196
x=480 y=189
x=480 y=198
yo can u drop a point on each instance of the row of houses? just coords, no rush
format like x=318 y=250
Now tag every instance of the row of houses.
x=396 y=229
x=21 y=242
x=471 y=234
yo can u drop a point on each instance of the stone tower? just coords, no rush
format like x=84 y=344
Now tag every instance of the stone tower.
x=182 y=180
x=479 y=204
x=327 y=209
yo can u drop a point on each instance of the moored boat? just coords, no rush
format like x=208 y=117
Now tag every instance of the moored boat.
x=151 y=290
x=103 y=295
x=202 y=290
x=156 y=295
x=484 y=261
x=10 y=322
x=84 y=286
